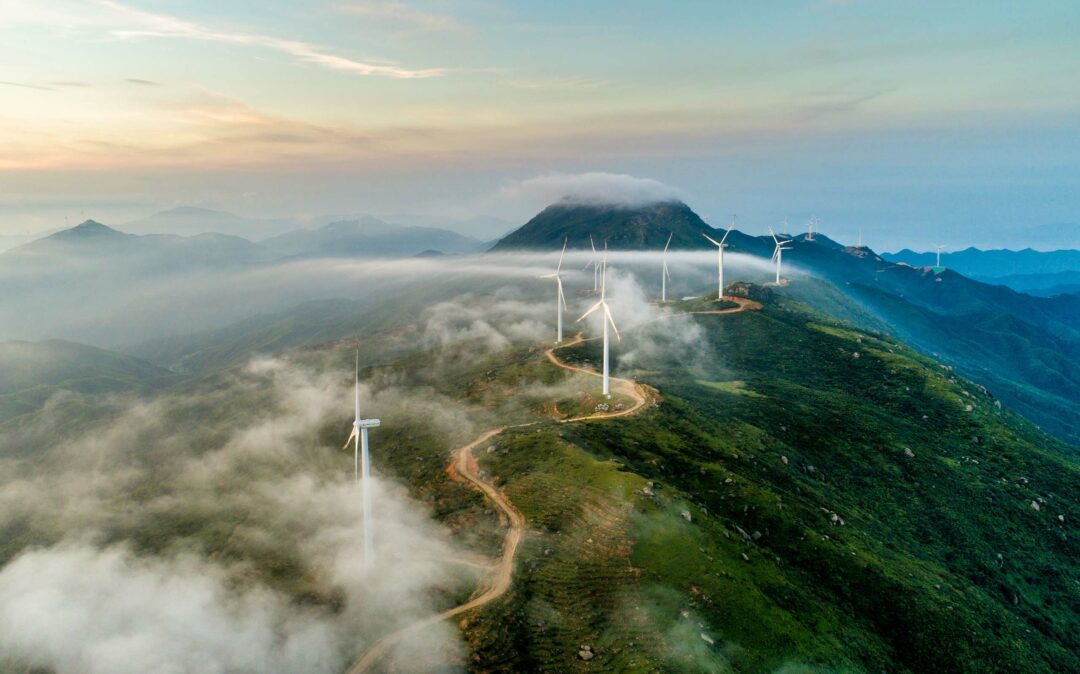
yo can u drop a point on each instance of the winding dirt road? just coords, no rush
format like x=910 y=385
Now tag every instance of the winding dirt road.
x=463 y=466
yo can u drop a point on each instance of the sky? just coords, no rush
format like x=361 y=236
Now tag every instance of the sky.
x=915 y=122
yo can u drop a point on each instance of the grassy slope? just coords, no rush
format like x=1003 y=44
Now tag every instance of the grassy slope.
x=911 y=581
x=32 y=373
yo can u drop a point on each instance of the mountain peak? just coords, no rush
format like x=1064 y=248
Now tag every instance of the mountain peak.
x=87 y=228
x=629 y=227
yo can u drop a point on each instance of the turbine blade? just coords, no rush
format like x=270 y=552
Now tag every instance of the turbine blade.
x=591 y=309
x=668 y=241
x=774 y=236
x=603 y=275
x=593 y=245
x=561 y=255
x=607 y=314
x=730 y=227
x=351 y=436
x=562 y=298
x=714 y=241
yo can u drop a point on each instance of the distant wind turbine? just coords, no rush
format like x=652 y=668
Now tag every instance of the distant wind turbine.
x=664 y=273
x=778 y=253
x=939 y=254
x=720 y=246
x=602 y=304
x=362 y=467
x=560 y=299
x=594 y=262
x=810 y=229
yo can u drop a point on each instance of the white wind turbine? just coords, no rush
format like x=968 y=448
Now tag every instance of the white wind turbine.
x=602 y=304
x=665 y=274
x=720 y=246
x=939 y=248
x=560 y=299
x=778 y=253
x=595 y=266
x=362 y=467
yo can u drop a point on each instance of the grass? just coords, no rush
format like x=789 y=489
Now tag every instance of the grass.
x=849 y=504
x=859 y=556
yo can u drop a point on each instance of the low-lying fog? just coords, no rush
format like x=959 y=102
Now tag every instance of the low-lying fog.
x=216 y=528
x=117 y=310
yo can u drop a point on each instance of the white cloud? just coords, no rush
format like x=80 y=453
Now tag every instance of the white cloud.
x=125 y=22
x=399 y=12
x=77 y=609
x=601 y=188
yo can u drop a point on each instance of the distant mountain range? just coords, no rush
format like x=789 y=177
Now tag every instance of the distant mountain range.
x=192 y=220
x=95 y=284
x=1037 y=272
x=369 y=237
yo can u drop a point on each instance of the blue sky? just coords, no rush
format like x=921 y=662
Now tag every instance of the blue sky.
x=910 y=120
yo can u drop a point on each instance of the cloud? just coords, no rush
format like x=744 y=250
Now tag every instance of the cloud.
x=601 y=188
x=142 y=83
x=124 y=22
x=74 y=608
x=161 y=543
x=26 y=86
x=399 y=12
x=146 y=24
x=558 y=83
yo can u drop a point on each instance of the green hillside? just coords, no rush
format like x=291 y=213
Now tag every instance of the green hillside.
x=806 y=496
x=33 y=372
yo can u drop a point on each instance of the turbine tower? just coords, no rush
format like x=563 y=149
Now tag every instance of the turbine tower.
x=720 y=246
x=778 y=253
x=939 y=255
x=362 y=467
x=560 y=299
x=602 y=304
x=665 y=274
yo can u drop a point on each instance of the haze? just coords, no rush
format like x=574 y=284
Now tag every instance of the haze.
x=913 y=121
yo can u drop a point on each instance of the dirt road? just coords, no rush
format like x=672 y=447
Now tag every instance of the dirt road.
x=463 y=466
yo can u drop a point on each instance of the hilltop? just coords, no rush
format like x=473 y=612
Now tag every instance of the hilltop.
x=623 y=227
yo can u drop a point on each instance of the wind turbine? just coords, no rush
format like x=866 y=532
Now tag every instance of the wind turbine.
x=665 y=274
x=560 y=299
x=602 y=304
x=778 y=253
x=720 y=246
x=810 y=229
x=595 y=266
x=939 y=255
x=362 y=467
